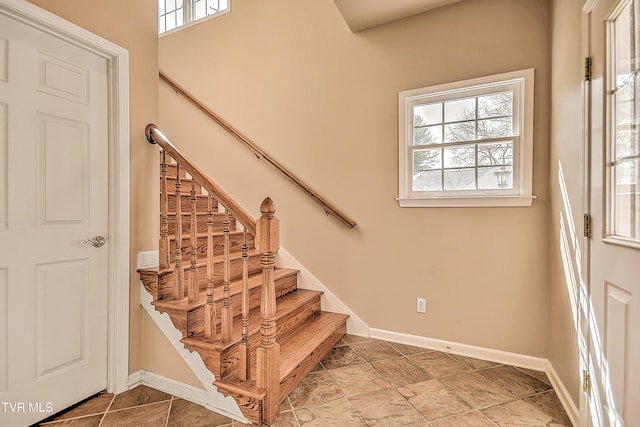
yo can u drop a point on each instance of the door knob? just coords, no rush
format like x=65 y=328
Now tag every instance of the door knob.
x=96 y=242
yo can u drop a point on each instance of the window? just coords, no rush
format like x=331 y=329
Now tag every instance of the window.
x=467 y=143
x=623 y=145
x=173 y=14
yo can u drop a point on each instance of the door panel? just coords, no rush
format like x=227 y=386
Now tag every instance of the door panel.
x=614 y=269
x=53 y=196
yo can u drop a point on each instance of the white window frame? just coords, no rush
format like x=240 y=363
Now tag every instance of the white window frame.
x=521 y=194
x=189 y=16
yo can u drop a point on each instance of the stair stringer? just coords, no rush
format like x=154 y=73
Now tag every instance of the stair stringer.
x=216 y=401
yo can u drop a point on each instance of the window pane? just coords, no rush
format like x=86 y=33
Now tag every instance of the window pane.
x=458 y=132
x=460 y=179
x=495 y=128
x=462 y=109
x=171 y=21
x=460 y=156
x=427 y=181
x=427 y=135
x=428 y=114
x=624 y=180
x=200 y=9
x=427 y=159
x=161 y=7
x=495 y=105
x=626 y=144
x=495 y=178
x=495 y=153
x=627 y=200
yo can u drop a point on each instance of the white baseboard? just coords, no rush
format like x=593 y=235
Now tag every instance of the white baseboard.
x=570 y=407
x=177 y=389
x=498 y=356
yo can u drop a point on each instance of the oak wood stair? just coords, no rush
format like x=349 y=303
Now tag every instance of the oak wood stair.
x=253 y=328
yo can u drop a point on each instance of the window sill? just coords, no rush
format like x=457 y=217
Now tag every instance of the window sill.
x=469 y=202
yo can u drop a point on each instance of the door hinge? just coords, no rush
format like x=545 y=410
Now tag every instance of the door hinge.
x=586 y=381
x=586 y=225
x=587 y=69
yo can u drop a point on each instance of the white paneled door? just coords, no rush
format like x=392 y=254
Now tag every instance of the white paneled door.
x=53 y=196
x=613 y=306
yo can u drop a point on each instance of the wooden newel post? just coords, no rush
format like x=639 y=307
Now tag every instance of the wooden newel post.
x=268 y=354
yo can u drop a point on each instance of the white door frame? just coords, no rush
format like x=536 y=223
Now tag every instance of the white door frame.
x=118 y=77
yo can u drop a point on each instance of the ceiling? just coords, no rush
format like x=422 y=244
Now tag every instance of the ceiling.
x=363 y=14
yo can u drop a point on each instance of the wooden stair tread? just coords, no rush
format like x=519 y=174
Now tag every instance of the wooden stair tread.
x=254 y=281
x=286 y=304
x=301 y=343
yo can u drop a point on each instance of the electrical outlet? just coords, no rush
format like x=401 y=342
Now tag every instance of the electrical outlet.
x=421 y=305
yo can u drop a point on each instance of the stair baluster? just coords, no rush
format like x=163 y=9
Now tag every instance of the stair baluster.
x=179 y=271
x=226 y=315
x=268 y=355
x=245 y=358
x=210 y=308
x=194 y=291
x=164 y=217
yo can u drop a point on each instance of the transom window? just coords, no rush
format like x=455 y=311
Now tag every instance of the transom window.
x=173 y=14
x=466 y=141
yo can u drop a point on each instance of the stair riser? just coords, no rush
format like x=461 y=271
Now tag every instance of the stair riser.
x=229 y=359
x=290 y=382
x=194 y=321
x=181 y=319
x=202 y=219
x=185 y=187
x=236 y=240
x=166 y=281
x=172 y=171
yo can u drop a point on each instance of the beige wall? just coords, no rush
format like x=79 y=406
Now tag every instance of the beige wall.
x=323 y=101
x=566 y=163
x=132 y=25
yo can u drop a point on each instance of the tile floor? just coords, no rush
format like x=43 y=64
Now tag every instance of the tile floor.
x=363 y=382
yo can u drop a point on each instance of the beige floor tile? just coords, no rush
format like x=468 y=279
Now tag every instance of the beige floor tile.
x=433 y=399
x=386 y=408
x=408 y=349
x=187 y=414
x=520 y=413
x=400 y=371
x=438 y=364
x=315 y=388
x=358 y=379
x=338 y=413
x=550 y=404
x=140 y=395
x=517 y=382
x=340 y=357
x=152 y=415
x=477 y=390
x=539 y=375
x=372 y=351
x=96 y=405
x=473 y=363
x=89 y=421
x=468 y=419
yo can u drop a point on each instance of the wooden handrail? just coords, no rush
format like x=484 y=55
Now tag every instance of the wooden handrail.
x=155 y=136
x=328 y=207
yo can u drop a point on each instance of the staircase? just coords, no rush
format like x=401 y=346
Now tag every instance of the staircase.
x=253 y=328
